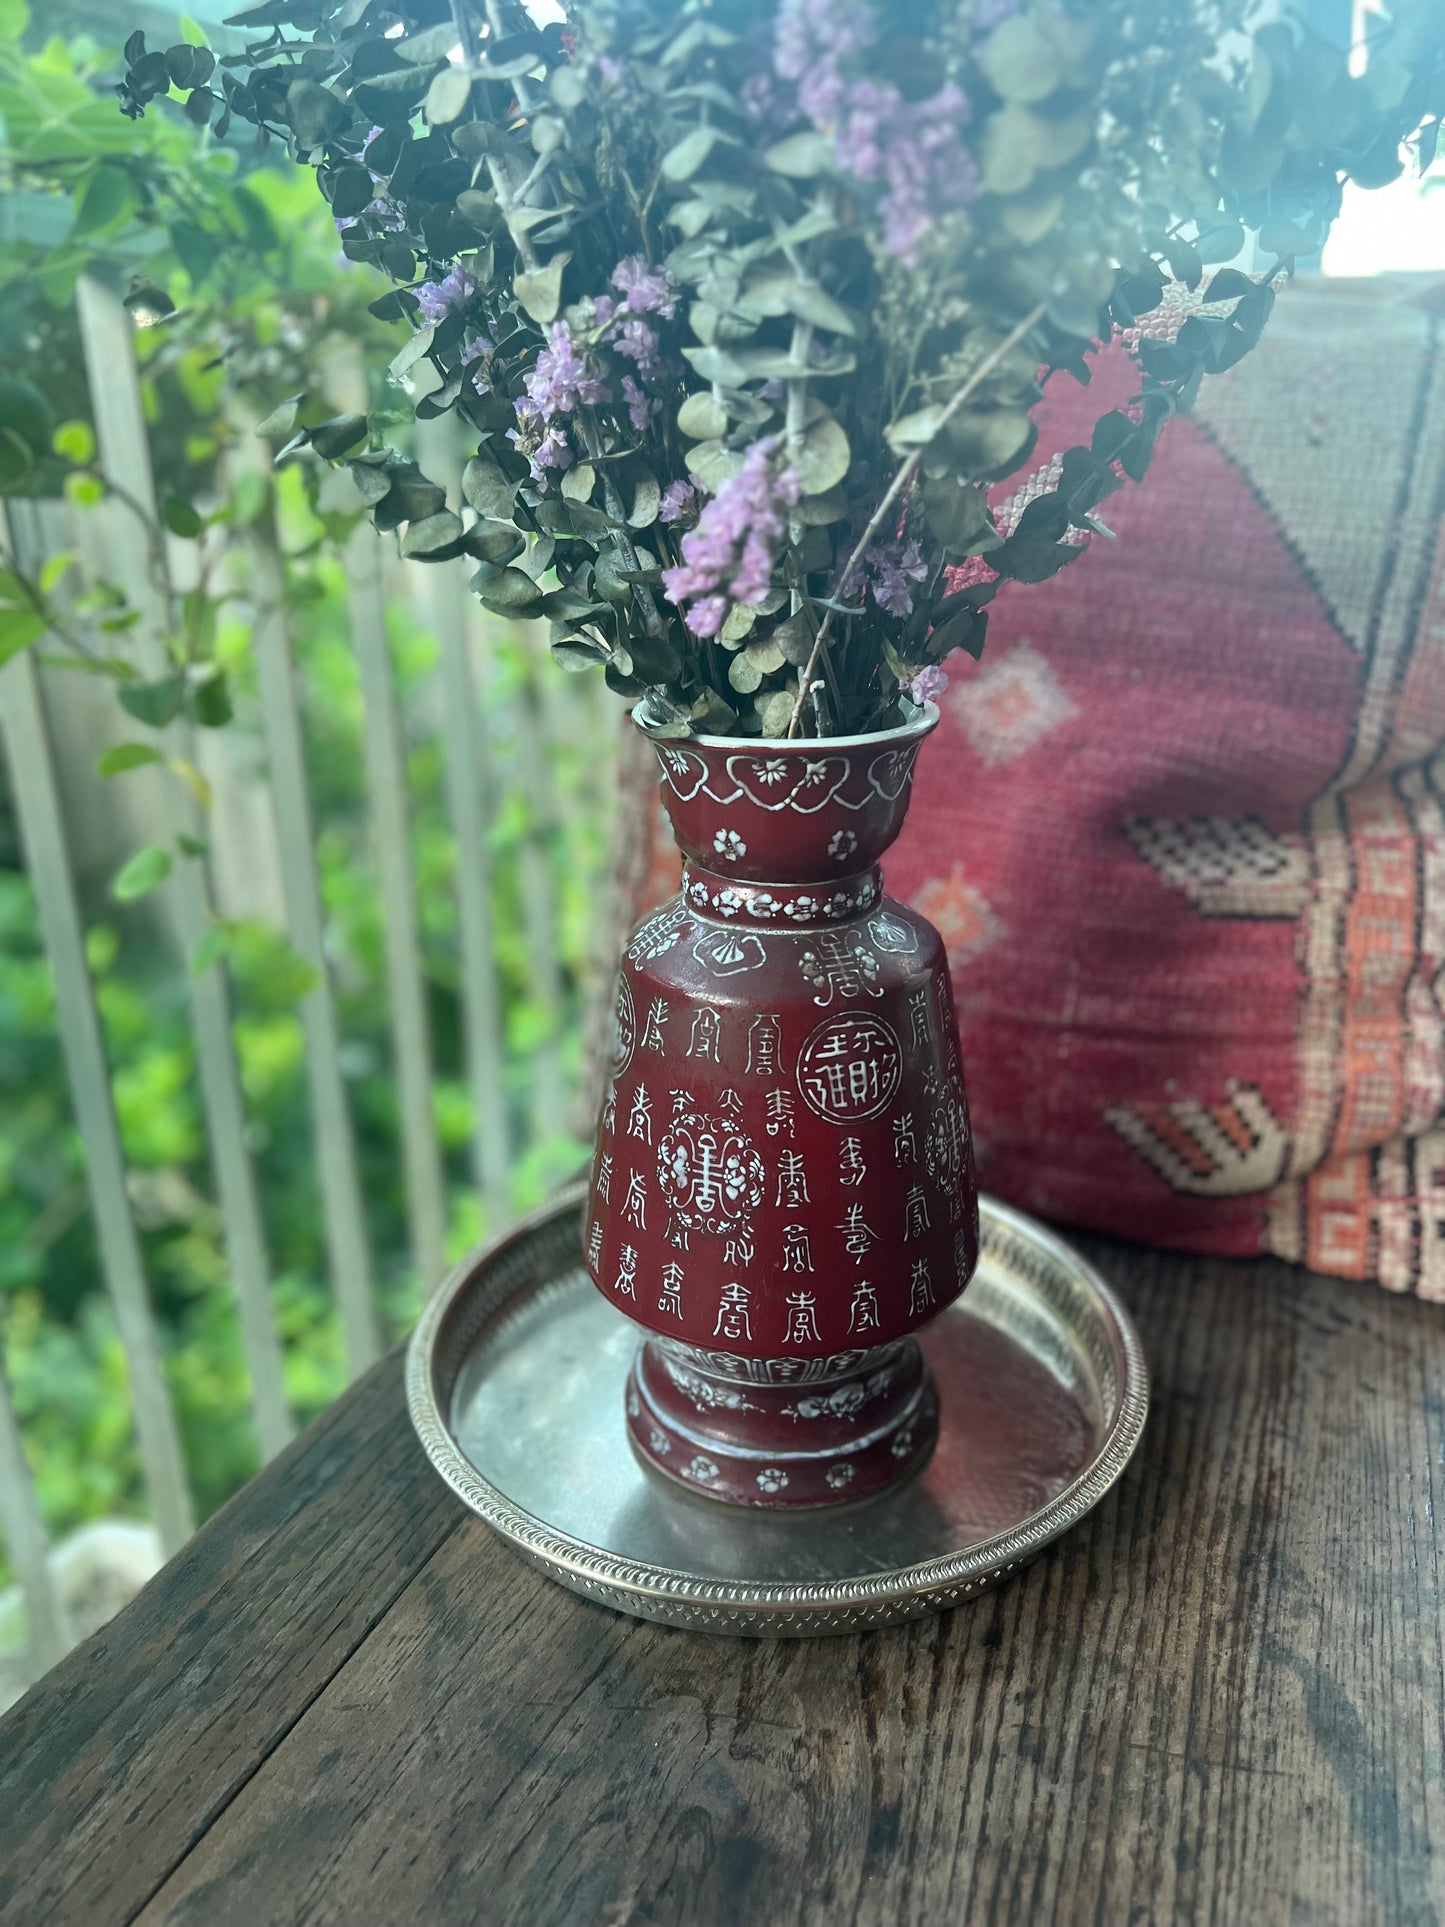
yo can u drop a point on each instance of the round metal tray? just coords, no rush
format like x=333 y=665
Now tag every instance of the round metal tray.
x=515 y=1378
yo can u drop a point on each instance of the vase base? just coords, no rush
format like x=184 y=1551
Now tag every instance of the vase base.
x=783 y=1447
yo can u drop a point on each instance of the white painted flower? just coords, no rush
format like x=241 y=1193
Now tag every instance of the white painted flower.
x=772 y=1478
x=765 y=905
x=903 y=1444
x=697 y=891
x=801 y=908
x=841 y=845
x=773 y=770
x=633 y=1407
x=840 y=1475
x=727 y=903
x=660 y=1442
x=701 y=1469
x=729 y=845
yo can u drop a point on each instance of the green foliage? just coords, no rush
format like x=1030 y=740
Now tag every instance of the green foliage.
x=260 y=314
x=881 y=343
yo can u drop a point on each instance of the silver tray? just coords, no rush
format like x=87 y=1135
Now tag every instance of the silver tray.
x=515 y=1377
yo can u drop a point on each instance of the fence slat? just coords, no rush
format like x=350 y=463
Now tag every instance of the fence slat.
x=24 y=1535
x=342 y=1207
x=536 y=744
x=471 y=798
x=106 y=336
x=37 y=801
x=386 y=783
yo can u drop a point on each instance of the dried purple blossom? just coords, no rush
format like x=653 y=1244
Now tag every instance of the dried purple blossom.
x=910 y=148
x=928 y=685
x=886 y=570
x=633 y=338
x=553 y=451
x=639 y=407
x=645 y=290
x=436 y=299
x=560 y=382
x=676 y=500
x=735 y=541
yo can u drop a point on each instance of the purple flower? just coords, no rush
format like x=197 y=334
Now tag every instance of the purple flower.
x=480 y=348
x=677 y=498
x=887 y=571
x=603 y=309
x=735 y=541
x=553 y=451
x=639 y=408
x=437 y=298
x=911 y=150
x=633 y=338
x=705 y=618
x=612 y=70
x=928 y=685
x=645 y=290
x=560 y=382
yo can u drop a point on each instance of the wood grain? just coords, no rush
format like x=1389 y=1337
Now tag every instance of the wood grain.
x=1221 y=1699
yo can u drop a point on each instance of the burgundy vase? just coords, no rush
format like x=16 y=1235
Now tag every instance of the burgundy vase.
x=783 y=1189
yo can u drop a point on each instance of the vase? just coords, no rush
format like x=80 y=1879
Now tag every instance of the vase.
x=783 y=1188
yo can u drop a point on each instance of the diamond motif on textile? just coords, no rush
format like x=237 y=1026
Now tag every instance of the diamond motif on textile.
x=1012 y=705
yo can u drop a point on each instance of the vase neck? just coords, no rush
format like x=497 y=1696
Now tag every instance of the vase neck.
x=797 y=906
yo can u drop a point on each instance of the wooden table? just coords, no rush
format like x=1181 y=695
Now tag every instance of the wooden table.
x=1219 y=1700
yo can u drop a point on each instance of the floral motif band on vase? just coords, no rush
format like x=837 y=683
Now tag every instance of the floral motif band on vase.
x=783 y=1189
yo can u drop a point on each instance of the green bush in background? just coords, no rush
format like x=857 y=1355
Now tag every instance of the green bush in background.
x=179 y=224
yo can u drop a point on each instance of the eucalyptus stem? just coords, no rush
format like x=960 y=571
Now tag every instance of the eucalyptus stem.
x=896 y=490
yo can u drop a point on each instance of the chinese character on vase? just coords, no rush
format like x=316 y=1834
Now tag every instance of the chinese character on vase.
x=797 y=1250
x=905 y=1148
x=863 y=1313
x=738 y=1251
x=850 y=1068
x=918 y=1016
x=594 y=1246
x=639 y=1121
x=915 y=1213
x=657 y=1014
x=624 y=1027
x=604 y=1177
x=851 y=1168
x=841 y=965
x=706 y=1033
x=634 y=1208
x=802 y=1326
x=671 y=1298
x=792 y=1181
x=780 y=1113
x=609 y=1114
x=920 y=1290
x=732 y=1314
x=711 y=1174
x=627 y=1272
x=960 y=1256
x=858 y=1237
x=764 y=1036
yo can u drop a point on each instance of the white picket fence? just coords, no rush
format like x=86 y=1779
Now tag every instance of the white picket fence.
x=564 y=709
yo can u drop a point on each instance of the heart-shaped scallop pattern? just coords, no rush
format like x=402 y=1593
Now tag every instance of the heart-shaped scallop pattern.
x=684 y=772
x=803 y=783
x=889 y=773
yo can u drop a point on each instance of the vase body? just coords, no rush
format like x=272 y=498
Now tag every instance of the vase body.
x=783 y=1188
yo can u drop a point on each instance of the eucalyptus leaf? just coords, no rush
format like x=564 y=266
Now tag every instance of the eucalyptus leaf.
x=507 y=591
x=702 y=417
x=540 y=292
x=685 y=157
x=447 y=96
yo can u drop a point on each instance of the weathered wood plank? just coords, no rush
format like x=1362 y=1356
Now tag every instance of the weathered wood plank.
x=1220 y=1700
x=115 y=1764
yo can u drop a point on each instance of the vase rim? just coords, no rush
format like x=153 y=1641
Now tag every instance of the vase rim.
x=918 y=725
